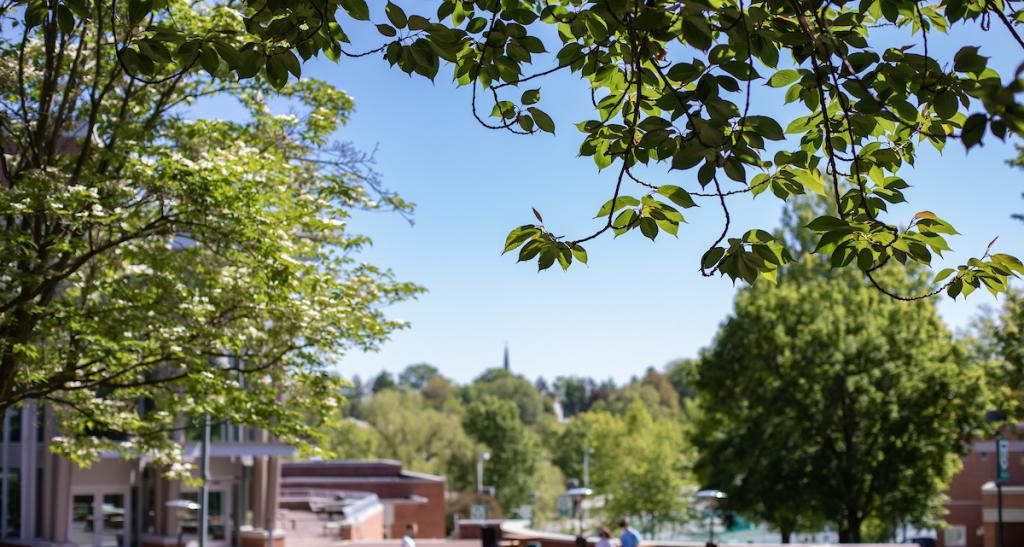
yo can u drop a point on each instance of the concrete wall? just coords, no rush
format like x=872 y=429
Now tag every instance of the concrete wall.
x=368 y=528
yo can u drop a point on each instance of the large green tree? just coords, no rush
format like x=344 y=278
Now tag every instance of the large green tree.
x=195 y=265
x=676 y=85
x=515 y=450
x=823 y=400
x=502 y=384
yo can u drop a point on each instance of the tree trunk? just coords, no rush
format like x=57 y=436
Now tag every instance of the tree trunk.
x=785 y=533
x=850 y=532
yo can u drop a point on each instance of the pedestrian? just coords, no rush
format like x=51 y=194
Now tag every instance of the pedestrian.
x=630 y=537
x=605 y=536
x=410 y=533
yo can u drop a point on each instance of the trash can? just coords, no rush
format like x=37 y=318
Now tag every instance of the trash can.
x=490 y=535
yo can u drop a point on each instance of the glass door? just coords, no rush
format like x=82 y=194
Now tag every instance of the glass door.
x=99 y=519
x=219 y=521
x=83 y=523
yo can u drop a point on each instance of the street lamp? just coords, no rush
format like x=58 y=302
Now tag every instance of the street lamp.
x=1002 y=468
x=711 y=499
x=586 y=465
x=183 y=509
x=480 y=459
x=577 y=495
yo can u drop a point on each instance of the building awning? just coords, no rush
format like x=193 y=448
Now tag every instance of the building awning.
x=241 y=449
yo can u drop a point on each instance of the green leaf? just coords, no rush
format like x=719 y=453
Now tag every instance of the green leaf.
x=387 y=30
x=735 y=170
x=65 y=19
x=619 y=203
x=649 y=228
x=291 y=63
x=138 y=10
x=418 y=22
x=579 y=253
x=209 y=60
x=826 y=224
x=946 y=104
x=277 y=74
x=943 y=274
x=519 y=236
x=357 y=9
x=677 y=195
x=396 y=15
x=784 y=77
x=548 y=255
x=974 y=129
x=544 y=121
x=531 y=96
x=766 y=127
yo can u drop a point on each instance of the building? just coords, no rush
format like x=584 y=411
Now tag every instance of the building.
x=47 y=500
x=972 y=512
x=406 y=497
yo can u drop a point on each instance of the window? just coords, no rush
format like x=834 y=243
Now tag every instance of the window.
x=13 y=503
x=955 y=536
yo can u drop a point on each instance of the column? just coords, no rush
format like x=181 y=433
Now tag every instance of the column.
x=48 y=468
x=29 y=454
x=62 y=498
x=273 y=492
x=258 y=499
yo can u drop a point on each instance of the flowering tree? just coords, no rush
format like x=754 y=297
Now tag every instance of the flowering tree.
x=157 y=268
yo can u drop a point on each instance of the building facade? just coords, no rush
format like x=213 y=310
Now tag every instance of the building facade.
x=972 y=510
x=47 y=500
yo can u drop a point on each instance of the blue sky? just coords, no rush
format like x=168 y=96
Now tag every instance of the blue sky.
x=638 y=303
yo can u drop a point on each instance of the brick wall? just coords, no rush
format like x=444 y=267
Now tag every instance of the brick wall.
x=415 y=497
x=965 y=491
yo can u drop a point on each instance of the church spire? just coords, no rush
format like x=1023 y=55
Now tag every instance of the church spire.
x=506 y=356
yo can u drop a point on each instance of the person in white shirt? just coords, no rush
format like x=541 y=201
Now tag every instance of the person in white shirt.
x=605 y=537
x=410 y=533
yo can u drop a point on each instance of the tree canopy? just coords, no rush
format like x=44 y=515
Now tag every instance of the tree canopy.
x=514 y=449
x=822 y=400
x=681 y=85
x=159 y=267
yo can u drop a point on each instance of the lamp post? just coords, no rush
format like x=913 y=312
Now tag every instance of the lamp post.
x=577 y=496
x=1002 y=469
x=711 y=499
x=586 y=466
x=480 y=459
x=204 y=492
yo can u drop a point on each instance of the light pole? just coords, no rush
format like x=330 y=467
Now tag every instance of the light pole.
x=1002 y=469
x=711 y=499
x=204 y=492
x=577 y=495
x=586 y=466
x=480 y=459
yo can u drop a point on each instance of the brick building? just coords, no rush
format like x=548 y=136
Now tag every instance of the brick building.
x=407 y=497
x=972 y=513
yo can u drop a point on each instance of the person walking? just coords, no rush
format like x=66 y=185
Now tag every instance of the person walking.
x=605 y=537
x=630 y=537
x=410 y=533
